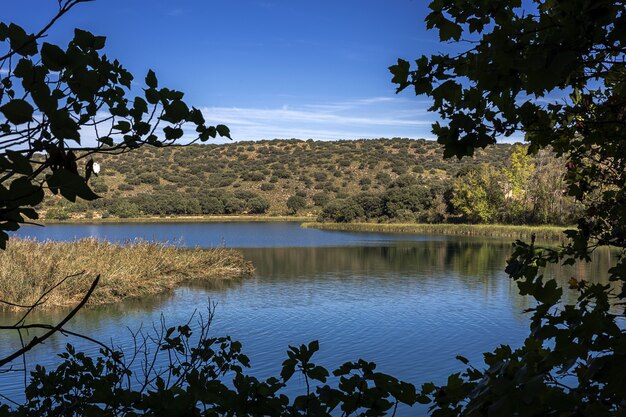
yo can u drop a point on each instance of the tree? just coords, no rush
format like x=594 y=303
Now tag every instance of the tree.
x=556 y=72
x=50 y=97
x=296 y=203
x=258 y=205
x=373 y=204
x=518 y=175
x=478 y=195
x=342 y=211
x=550 y=204
x=520 y=171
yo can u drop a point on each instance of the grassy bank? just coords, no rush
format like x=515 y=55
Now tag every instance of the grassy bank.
x=136 y=269
x=487 y=230
x=181 y=219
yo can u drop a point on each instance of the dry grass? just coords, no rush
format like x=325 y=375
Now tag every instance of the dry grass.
x=135 y=269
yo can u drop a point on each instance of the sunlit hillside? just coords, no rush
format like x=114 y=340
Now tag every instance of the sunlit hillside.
x=259 y=177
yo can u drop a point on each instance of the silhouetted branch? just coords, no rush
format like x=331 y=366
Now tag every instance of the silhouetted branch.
x=38 y=340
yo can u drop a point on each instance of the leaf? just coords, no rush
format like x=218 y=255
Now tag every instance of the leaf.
x=318 y=373
x=140 y=105
x=70 y=185
x=151 y=79
x=86 y=40
x=195 y=116
x=152 y=96
x=449 y=30
x=18 y=111
x=21 y=164
x=22 y=43
x=123 y=126
x=289 y=367
x=223 y=131
x=400 y=73
x=63 y=126
x=176 y=112
x=53 y=57
x=99 y=42
x=31 y=213
x=172 y=133
x=463 y=359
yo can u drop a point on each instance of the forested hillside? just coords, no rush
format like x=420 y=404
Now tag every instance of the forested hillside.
x=389 y=179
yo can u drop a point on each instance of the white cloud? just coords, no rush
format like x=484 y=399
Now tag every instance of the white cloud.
x=351 y=119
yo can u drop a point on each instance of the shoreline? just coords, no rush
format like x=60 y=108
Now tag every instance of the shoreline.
x=181 y=219
x=543 y=232
x=546 y=232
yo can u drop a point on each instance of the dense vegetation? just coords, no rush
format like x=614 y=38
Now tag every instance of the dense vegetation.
x=397 y=180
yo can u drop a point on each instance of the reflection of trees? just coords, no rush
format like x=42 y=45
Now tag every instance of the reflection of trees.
x=477 y=264
x=433 y=257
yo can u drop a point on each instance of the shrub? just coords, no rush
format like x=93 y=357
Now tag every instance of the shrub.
x=245 y=195
x=233 y=205
x=258 y=205
x=148 y=178
x=415 y=199
x=373 y=204
x=211 y=205
x=124 y=209
x=253 y=176
x=57 y=213
x=383 y=178
x=345 y=162
x=321 y=199
x=99 y=186
x=341 y=211
x=295 y=203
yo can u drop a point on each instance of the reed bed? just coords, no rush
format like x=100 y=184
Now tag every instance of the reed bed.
x=135 y=269
x=486 y=230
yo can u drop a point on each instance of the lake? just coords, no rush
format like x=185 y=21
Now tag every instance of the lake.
x=410 y=303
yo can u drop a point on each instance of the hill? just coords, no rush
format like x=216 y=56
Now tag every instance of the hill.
x=260 y=177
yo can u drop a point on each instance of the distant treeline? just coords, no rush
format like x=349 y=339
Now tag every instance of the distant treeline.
x=375 y=180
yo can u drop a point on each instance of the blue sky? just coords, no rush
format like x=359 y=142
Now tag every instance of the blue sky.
x=267 y=68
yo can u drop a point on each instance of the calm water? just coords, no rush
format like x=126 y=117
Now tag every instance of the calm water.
x=409 y=303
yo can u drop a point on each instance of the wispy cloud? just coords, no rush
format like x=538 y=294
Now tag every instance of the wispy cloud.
x=351 y=119
x=365 y=118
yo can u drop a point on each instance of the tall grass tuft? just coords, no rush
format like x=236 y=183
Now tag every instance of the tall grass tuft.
x=487 y=230
x=135 y=269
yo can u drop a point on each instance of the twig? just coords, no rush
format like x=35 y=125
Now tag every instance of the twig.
x=38 y=340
